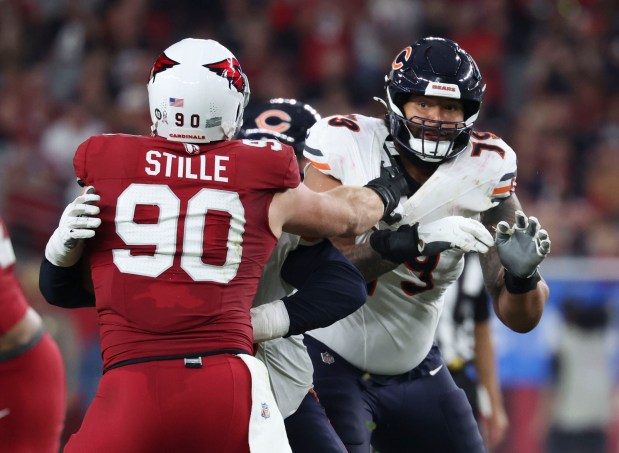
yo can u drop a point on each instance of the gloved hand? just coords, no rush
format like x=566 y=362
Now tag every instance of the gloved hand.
x=391 y=185
x=523 y=246
x=77 y=223
x=410 y=241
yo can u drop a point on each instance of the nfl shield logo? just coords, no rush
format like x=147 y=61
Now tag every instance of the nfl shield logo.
x=264 y=410
x=327 y=358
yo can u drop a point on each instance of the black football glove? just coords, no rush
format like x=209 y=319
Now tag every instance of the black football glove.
x=391 y=185
x=432 y=238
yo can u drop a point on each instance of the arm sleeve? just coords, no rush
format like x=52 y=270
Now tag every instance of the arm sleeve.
x=329 y=287
x=62 y=286
x=481 y=310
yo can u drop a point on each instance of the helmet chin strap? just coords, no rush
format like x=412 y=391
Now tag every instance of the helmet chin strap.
x=381 y=101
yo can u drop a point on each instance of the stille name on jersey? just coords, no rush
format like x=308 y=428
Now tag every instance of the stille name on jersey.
x=203 y=168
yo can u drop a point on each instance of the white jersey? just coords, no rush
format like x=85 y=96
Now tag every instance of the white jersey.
x=393 y=332
x=289 y=366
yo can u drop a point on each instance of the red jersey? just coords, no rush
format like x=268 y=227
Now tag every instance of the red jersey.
x=183 y=240
x=13 y=304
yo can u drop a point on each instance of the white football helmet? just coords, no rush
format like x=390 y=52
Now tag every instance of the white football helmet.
x=197 y=92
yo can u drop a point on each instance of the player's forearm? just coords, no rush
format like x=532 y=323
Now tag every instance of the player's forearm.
x=353 y=210
x=367 y=260
x=522 y=312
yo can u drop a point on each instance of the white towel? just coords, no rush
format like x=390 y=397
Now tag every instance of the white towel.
x=267 y=433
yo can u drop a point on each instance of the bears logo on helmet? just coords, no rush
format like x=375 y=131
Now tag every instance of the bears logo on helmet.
x=275 y=120
x=401 y=58
x=286 y=120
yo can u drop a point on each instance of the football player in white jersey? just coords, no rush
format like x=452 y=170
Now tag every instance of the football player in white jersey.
x=329 y=277
x=376 y=372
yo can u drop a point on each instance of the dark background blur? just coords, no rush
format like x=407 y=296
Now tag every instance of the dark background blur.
x=74 y=68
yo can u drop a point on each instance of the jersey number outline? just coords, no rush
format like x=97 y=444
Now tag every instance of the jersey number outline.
x=348 y=121
x=422 y=266
x=163 y=234
x=479 y=147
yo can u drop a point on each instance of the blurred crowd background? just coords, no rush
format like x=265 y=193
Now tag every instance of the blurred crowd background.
x=70 y=69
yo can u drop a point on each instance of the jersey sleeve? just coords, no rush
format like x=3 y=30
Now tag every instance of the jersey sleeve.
x=80 y=161
x=292 y=174
x=331 y=147
x=266 y=166
x=505 y=184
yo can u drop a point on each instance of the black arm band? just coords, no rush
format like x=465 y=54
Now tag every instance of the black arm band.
x=520 y=285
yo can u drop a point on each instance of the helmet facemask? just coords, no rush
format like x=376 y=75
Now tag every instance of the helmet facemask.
x=427 y=139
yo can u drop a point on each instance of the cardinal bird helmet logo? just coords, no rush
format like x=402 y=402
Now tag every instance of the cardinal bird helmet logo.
x=162 y=63
x=229 y=69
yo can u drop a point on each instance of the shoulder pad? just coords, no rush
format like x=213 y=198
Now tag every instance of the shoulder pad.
x=336 y=144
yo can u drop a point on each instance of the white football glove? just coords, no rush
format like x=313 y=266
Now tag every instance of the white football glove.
x=522 y=246
x=457 y=232
x=78 y=222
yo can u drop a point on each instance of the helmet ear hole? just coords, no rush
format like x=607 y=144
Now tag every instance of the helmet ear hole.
x=434 y=67
x=197 y=92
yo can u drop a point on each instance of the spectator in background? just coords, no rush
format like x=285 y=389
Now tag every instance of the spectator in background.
x=32 y=377
x=580 y=400
x=91 y=54
x=465 y=340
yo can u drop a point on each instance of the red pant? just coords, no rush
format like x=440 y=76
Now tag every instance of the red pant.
x=164 y=406
x=32 y=400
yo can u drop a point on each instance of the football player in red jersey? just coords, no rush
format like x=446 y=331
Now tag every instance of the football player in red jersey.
x=188 y=220
x=32 y=379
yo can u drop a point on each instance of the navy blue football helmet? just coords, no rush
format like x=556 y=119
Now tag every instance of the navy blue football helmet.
x=433 y=67
x=286 y=120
